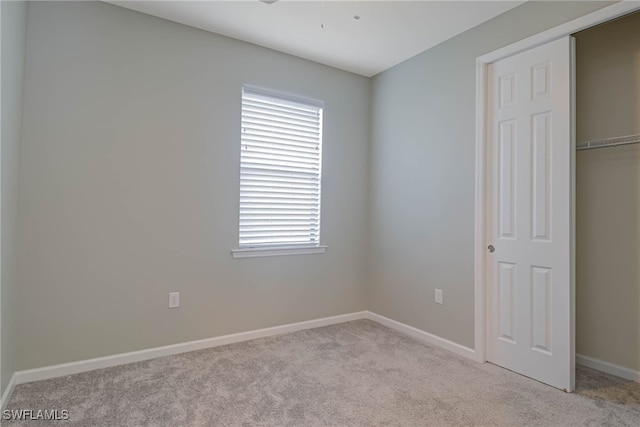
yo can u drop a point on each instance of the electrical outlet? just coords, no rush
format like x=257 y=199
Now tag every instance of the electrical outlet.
x=439 y=299
x=174 y=299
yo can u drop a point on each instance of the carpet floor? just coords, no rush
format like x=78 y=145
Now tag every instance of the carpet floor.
x=352 y=374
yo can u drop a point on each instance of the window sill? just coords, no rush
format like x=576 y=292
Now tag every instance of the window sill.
x=282 y=251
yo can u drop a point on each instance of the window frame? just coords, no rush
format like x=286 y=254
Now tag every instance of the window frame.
x=267 y=250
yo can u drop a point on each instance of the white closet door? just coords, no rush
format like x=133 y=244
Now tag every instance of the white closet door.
x=529 y=208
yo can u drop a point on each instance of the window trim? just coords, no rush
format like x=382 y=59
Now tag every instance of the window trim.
x=277 y=251
x=284 y=95
x=285 y=249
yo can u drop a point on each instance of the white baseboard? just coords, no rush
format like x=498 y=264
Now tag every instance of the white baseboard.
x=609 y=368
x=7 y=392
x=47 y=372
x=423 y=336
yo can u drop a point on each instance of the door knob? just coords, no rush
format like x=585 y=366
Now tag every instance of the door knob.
x=491 y=248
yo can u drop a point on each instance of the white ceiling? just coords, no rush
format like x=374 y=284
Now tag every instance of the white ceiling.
x=387 y=33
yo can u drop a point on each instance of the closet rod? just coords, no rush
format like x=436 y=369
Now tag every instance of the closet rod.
x=609 y=142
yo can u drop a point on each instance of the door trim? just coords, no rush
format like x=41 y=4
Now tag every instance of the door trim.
x=482 y=62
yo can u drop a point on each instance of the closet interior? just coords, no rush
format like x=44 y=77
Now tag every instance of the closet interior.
x=608 y=197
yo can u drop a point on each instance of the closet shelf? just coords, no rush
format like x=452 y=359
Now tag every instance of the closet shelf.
x=609 y=142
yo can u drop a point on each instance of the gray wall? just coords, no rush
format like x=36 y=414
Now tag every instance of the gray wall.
x=130 y=180
x=608 y=194
x=14 y=22
x=608 y=80
x=422 y=173
x=129 y=184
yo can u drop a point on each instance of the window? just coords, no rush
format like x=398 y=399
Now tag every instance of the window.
x=280 y=171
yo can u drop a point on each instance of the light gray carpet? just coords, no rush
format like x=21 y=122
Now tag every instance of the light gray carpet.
x=353 y=374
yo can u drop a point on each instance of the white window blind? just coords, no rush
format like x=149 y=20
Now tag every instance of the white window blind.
x=280 y=168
